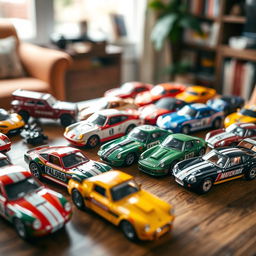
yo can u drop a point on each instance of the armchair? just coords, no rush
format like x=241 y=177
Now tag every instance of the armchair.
x=45 y=69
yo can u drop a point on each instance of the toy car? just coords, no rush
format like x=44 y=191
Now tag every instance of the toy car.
x=127 y=149
x=106 y=103
x=158 y=92
x=37 y=104
x=4 y=161
x=102 y=126
x=197 y=94
x=227 y=104
x=30 y=207
x=60 y=163
x=245 y=115
x=190 y=118
x=128 y=90
x=160 y=160
x=230 y=136
x=118 y=198
x=218 y=166
x=33 y=134
x=151 y=112
x=10 y=122
x=5 y=143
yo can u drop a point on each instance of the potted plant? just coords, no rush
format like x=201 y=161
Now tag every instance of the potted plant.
x=172 y=18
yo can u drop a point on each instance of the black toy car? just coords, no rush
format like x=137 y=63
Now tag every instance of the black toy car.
x=33 y=134
x=218 y=166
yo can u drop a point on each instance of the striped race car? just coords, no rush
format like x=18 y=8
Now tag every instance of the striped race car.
x=103 y=125
x=190 y=118
x=33 y=209
x=218 y=166
x=5 y=143
x=60 y=163
x=230 y=136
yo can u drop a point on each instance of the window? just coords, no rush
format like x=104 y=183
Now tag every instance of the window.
x=156 y=135
x=234 y=161
x=29 y=102
x=20 y=13
x=100 y=190
x=139 y=89
x=54 y=160
x=45 y=156
x=189 y=145
x=40 y=103
x=114 y=120
x=251 y=133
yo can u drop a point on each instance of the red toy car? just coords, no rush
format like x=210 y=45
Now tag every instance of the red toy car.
x=158 y=92
x=231 y=136
x=128 y=90
x=37 y=104
x=151 y=112
x=5 y=143
x=30 y=207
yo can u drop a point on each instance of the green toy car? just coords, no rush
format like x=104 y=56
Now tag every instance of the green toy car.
x=160 y=160
x=127 y=149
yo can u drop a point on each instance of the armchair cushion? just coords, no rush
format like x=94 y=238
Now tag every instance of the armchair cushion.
x=10 y=65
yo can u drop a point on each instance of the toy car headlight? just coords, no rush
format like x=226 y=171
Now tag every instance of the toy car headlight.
x=67 y=207
x=192 y=179
x=147 y=228
x=80 y=136
x=36 y=224
x=161 y=165
x=119 y=156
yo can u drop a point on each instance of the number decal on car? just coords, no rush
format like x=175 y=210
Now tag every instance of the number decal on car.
x=152 y=144
x=55 y=173
x=189 y=155
x=111 y=131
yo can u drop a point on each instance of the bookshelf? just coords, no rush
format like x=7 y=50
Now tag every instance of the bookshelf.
x=228 y=25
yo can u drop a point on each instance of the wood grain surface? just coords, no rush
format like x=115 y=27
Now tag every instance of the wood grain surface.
x=222 y=222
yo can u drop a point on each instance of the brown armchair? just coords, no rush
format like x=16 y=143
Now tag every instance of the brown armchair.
x=45 y=69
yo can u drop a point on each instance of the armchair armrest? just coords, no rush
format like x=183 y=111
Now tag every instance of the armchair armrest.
x=47 y=65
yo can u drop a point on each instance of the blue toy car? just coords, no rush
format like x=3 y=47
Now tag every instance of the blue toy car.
x=191 y=118
x=227 y=104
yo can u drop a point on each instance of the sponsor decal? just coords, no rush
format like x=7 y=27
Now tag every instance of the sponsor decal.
x=189 y=155
x=55 y=173
x=228 y=174
x=49 y=113
x=152 y=144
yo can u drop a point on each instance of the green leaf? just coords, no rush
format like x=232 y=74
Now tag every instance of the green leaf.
x=162 y=30
x=157 y=5
x=191 y=23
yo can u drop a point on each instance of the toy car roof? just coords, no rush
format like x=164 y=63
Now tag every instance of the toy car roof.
x=56 y=150
x=113 y=112
x=111 y=178
x=183 y=137
x=12 y=174
x=149 y=128
x=31 y=94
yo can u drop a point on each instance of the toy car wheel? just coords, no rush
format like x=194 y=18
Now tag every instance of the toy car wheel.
x=129 y=128
x=185 y=129
x=24 y=115
x=205 y=186
x=251 y=174
x=77 y=199
x=201 y=152
x=35 y=170
x=93 y=141
x=128 y=230
x=171 y=167
x=20 y=228
x=66 y=120
x=216 y=123
x=130 y=159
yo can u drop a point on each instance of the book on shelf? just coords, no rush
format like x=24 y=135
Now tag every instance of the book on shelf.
x=207 y=8
x=239 y=78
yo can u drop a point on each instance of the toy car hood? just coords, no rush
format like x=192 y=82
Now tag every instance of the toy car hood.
x=84 y=127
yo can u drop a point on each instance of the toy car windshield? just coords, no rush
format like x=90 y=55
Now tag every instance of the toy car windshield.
x=139 y=135
x=19 y=189
x=124 y=189
x=171 y=142
x=216 y=159
x=236 y=130
x=192 y=93
x=97 y=119
x=3 y=115
x=248 y=112
x=74 y=160
x=187 y=111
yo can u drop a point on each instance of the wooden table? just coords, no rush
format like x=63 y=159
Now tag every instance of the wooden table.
x=222 y=222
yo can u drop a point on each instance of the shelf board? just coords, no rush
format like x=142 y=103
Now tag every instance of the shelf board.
x=200 y=47
x=234 y=19
x=245 y=54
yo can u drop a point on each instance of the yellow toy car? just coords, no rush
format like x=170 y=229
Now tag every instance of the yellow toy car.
x=118 y=198
x=244 y=115
x=197 y=94
x=10 y=123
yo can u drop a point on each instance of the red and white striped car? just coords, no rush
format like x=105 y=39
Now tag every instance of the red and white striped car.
x=5 y=143
x=102 y=126
x=33 y=209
